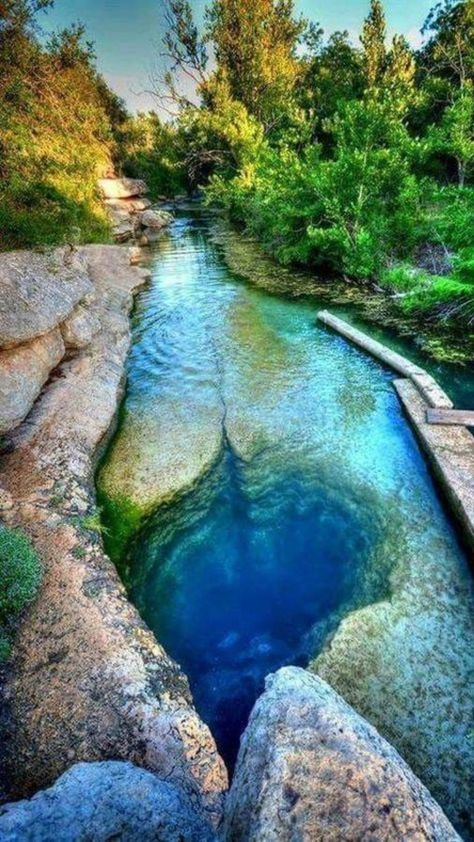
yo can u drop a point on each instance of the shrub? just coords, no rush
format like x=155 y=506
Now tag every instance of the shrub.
x=448 y=298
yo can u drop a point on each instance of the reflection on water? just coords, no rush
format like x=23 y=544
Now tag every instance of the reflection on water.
x=318 y=493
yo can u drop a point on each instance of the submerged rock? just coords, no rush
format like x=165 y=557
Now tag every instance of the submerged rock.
x=406 y=664
x=103 y=801
x=155 y=456
x=311 y=768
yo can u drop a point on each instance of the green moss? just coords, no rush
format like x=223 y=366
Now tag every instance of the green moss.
x=5 y=647
x=122 y=519
x=20 y=577
x=90 y=523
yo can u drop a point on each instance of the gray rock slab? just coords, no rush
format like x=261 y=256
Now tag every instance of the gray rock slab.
x=310 y=768
x=155 y=219
x=122 y=188
x=450 y=449
x=103 y=801
x=38 y=291
x=80 y=327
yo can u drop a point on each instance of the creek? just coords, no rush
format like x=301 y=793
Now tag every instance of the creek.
x=263 y=482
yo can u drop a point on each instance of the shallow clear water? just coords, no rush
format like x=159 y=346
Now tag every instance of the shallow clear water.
x=317 y=491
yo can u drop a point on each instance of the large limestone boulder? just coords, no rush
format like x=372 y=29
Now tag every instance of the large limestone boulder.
x=103 y=801
x=38 y=291
x=311 y=768
x=122 y=188
x=23 y=372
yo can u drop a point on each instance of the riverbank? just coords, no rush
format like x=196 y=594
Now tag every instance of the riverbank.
x=87 y=679
x=359 y=302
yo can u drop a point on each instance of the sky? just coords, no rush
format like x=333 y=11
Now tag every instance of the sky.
x=127 y=35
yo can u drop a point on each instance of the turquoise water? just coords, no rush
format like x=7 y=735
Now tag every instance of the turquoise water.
x=314 y=493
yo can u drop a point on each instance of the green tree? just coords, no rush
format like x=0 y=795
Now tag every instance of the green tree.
x=454 y=136
x=449 y=51
x=56 y=131
x=373 y=43
x=390 y=73
x=333 y=73
x=255 y=50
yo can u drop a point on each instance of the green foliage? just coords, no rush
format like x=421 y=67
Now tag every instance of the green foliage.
x=448 y=297
x=454 y=136
x=255 y=49
x=58 y=127
x=20 y=577
x=346 y=213
x=450 y=217
x=340 y=156
x=347 y=181
x=154 y=151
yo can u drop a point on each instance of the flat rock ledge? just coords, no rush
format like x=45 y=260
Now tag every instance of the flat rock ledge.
x=310 y=768
x=103 y=801
x=46 y=310
x=88 y=680
x=38 y=291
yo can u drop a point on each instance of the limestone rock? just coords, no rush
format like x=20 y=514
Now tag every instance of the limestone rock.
x=124 y=231
x=155 y=219
x=38 y=291
x=80 y=327
x=23 y=371
x=122 y=188
x=135 y=255
x=311 y=768
x=138 y=475
x=103 y=801
x=134 y=205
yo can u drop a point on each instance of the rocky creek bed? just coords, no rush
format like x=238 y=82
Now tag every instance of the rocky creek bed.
x=225 y=442
x=267 y=504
